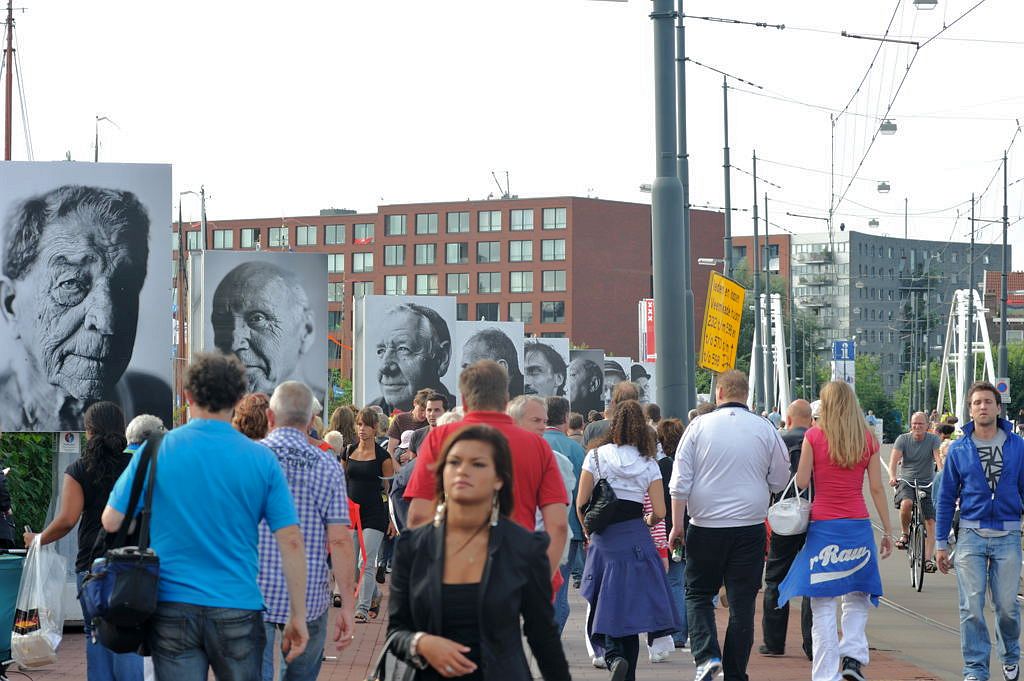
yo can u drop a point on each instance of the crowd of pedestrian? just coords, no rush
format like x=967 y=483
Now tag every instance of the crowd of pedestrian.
x=480 y=520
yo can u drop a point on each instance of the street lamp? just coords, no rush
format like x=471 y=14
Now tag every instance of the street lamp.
x=925 y=4
x=710 y=262
x=884 y=187
x=888 y=127
x=873 y=222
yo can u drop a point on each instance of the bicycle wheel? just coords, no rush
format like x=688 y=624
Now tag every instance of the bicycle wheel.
x=918 y=557
x=910 y=554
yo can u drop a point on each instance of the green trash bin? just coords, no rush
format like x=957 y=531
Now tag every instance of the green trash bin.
x=10 y=580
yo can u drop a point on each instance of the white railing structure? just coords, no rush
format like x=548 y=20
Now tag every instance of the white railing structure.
x=960 y=364
x=782 y=396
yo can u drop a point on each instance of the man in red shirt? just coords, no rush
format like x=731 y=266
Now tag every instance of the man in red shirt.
x=538 y=482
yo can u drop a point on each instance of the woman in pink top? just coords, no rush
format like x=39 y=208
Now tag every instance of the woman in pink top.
x=838 y=561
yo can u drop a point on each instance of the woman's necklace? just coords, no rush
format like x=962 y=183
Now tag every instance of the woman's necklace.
x=470 y=557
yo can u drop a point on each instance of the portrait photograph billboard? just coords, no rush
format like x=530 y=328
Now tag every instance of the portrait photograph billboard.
x=85 y=287
x=585 y=383
x=403 y=344
x=267 y=308
x=642 y=374
x=499 y=341
x=545 y=366
x=616 y=369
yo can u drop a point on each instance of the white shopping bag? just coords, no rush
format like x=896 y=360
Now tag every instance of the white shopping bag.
x=39 y=613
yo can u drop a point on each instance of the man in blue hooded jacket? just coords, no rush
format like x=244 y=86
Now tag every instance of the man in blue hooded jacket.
x=984 y=471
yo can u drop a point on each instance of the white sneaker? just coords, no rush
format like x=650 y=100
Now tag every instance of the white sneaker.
x=708 y=670
x=598 y=662
x=658 y=656
x=1011 y=672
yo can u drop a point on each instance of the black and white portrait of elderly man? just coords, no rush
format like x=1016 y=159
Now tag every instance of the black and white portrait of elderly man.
x=73 y=261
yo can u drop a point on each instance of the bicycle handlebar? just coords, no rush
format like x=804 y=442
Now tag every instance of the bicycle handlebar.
x=915 y=485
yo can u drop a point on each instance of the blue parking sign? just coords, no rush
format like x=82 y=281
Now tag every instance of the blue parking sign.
x=844 y=351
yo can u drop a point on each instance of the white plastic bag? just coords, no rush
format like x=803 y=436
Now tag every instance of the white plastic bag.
x=39 y=614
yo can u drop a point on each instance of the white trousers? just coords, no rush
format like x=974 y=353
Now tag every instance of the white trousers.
x=827 y=647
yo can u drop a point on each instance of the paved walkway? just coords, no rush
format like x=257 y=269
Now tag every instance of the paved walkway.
x=354 y=663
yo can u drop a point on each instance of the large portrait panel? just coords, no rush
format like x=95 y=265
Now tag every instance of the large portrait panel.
x=545 y=366
x=403 y=344
x=585 y=384
x=85 y=287
x=267 y=308
x=499 y=341
x=616 y=370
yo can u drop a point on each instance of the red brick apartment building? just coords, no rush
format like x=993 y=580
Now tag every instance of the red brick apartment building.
x=565 y=266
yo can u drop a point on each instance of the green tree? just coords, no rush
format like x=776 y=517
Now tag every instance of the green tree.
x=30 y=481
x=872 y=396
x=335 y=379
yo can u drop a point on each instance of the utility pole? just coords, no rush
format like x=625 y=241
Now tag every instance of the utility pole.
x=179 y=361
x=758 y=353
x=913 y=348
x=769 y=344
x=906 y=219
x=727 y=266
x=967 y=363
x=1003 y=358
x=202 y=215
x=685 y=264
x=927 y=332
x=9 y=82
x=667 y=226
x=792 y=330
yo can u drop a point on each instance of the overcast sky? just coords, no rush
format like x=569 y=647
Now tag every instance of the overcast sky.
x=287 y=108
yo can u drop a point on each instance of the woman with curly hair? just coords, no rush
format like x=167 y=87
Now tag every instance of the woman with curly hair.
x=87 y=484
x=624 y=580
x=250 y=417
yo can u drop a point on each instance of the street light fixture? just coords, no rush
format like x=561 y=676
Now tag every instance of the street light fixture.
x=888 y=127
x=926 y=4
x=883 y=187
x=710 y=262
x=873 y=222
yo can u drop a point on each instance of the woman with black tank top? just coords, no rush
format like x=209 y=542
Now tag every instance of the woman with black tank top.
x=87 y=484
x=367 y=466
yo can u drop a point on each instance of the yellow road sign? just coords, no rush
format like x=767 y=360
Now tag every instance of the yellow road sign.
x=721 y=333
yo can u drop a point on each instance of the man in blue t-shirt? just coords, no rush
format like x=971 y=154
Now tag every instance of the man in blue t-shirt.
x=213 y=487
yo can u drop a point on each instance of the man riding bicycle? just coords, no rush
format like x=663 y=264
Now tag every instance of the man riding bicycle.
x=918 y=452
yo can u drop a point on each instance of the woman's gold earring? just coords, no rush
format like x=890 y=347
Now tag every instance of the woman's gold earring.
x=495 y=510
x=439 y=513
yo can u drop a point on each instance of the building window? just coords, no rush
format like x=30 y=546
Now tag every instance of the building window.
x=223 y=238
x=520 y=312
x=426 y=254
x=552 y=312
x=174 y=240
x=461 y=312
x=395 y=285
x=458 y=283
x=335 y=318
x=426 y=223
x=520 y=282
x=305 y=235
x=394 y=225
x=552 y=334
x=488 y=282
x=362 y=288
x=554 y=218
x=362 y=262
x=985 y=260
x=194 y=241
x=250 y=236
x=739 y=253
x=333 y=351
x=552 y=249
x=553 y=280
x=520 y=251
x=521 y=220
x=362 y=234
x=394 y=256
x=278 y=237
x=335 y=291
x=456 y=253
x=458 y=223
x=426 y=285
x=488 y=251
x=487 y=312
x=489 y=221
x=334 y=234
x=335 y=262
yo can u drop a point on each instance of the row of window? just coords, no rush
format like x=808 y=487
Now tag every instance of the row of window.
x=551 y=250
x=457 y=283
x=457 y=222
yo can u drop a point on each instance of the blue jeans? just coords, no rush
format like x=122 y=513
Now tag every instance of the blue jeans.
x=562 y=599
x=577 y=557
x=188 y=640
x=988 y=564
x=676 y=580
x=103 y=664
x=307 y=665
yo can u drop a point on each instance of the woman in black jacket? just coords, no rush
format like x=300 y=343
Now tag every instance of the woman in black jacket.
x=485 y=570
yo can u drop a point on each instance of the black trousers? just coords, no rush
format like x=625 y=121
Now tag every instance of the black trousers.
x=782 y=551
x=733 y=556
x=627 y=647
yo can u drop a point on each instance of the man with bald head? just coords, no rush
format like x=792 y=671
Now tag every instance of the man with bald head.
x=914 y=456
x=261 y=314
x=584 y=384
x=782 y=550
x=497 y=346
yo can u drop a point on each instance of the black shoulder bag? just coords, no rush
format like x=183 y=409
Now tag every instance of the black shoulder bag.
x=120 y=593
x=598 y=512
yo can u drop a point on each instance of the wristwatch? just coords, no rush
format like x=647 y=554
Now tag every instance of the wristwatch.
x=414 y=657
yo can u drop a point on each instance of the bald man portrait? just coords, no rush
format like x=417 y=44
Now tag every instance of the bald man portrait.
x=495 y=345
x=262 y=315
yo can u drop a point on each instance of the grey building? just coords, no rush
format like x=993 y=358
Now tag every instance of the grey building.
x=884 y=291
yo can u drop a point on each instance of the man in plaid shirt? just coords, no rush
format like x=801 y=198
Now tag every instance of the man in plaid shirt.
x=317 y=484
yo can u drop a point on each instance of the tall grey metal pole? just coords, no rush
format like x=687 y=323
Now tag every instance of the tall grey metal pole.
x=927 y=331
x=667 y=225
x=758 y=351
x=769 y=343
x=1003 y=359
x=792 y=332
x=685 y=264
x=202 y=214
x=727 y=266
x=967 y=363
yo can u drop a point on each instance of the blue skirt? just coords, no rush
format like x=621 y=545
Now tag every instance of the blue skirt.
x=839 y=557
x=625 y=584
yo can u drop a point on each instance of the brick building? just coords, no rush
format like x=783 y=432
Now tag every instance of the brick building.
x=565 y=266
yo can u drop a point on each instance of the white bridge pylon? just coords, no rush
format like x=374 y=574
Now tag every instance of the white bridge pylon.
x=960 y=364
x=780 y=362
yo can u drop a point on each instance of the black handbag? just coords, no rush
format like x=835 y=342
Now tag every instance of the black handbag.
x=119 y=594
x=400 y=670
x=598 y=512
